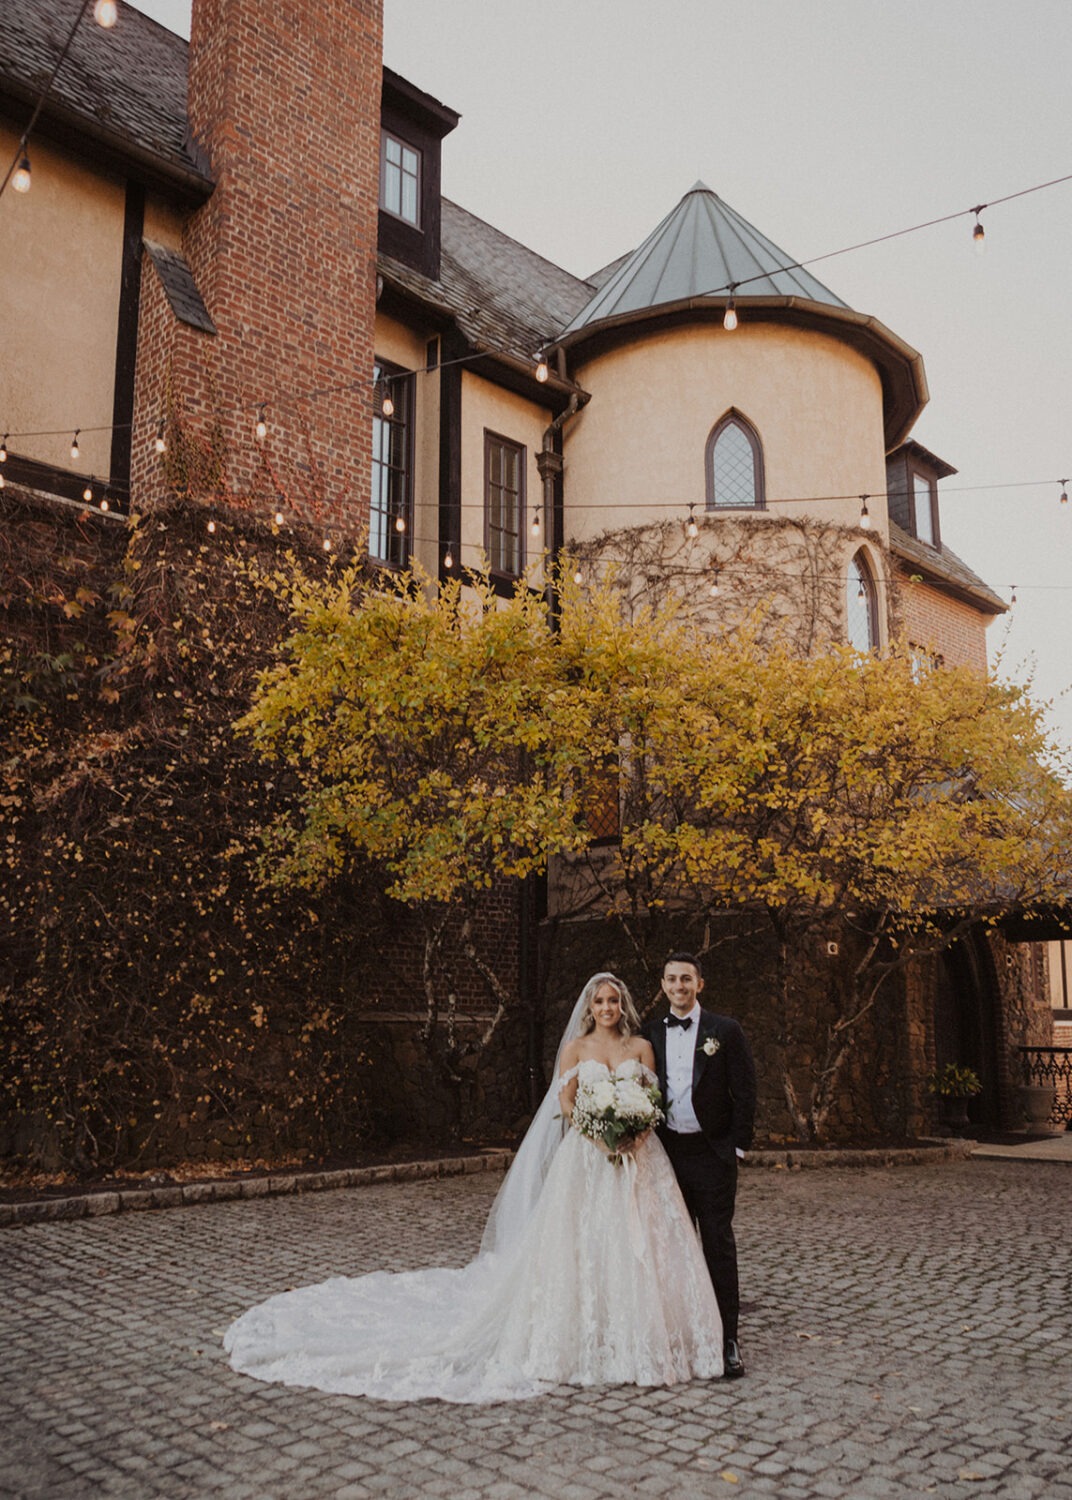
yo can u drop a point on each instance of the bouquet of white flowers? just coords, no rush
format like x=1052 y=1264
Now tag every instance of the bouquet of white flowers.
x=614 y=1110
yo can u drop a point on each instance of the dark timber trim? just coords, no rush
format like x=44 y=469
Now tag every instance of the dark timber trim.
x=450 y=453
x=126 y=339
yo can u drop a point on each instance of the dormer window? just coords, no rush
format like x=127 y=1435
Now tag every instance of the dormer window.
x=912 y=475
x=400 y=178
x=924 y=494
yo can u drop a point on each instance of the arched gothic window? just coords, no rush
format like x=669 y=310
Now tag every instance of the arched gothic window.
x=734 y=463
x=861 y=605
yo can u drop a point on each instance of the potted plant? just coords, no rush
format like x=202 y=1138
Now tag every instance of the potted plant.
x=954 y=1086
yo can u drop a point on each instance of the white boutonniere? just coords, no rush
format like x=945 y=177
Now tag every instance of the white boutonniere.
x=712 y=1045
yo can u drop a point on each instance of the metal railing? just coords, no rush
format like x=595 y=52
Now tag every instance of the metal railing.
x=1042 y=1065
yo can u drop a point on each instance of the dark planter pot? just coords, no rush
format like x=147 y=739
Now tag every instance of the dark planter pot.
x=955 y=1114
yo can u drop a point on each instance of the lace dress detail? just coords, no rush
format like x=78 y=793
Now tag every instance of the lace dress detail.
x=608 y=1285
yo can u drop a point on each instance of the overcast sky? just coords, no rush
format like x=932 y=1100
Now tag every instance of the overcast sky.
x=824 y=122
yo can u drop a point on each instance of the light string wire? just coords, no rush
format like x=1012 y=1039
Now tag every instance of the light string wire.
x=20 y=149
x=384 y=379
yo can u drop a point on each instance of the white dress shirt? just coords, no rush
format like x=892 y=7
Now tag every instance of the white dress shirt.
x=680 y=1055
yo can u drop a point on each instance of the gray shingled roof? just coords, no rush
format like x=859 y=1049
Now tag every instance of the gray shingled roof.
x=703 y=246
x=179 y=287
x=126 y=86
x=942 y=566
x=503 y=296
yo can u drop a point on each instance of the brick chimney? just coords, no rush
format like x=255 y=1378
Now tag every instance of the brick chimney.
x=284 y=102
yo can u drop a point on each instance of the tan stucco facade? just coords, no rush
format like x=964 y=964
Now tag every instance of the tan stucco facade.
x=637 y=451
x=487 y=407
x=61 y=246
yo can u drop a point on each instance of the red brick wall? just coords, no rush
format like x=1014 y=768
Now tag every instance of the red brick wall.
x=285 y=101
x=934 y=621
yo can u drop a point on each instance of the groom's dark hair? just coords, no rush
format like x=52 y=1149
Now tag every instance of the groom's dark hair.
x=683 y=958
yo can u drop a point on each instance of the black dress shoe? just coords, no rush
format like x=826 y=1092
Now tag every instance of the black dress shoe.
x=732 y=1363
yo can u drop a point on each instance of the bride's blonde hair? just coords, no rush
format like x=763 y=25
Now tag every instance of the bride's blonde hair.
x=628 y=1022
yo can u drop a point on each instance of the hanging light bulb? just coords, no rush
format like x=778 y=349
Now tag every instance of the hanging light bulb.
x=448 y=558
x=400 y=524
x=729 y=319
x=535 y=527
x=714 y=589
x=978 y=232
x=691 y=528
x=327 y=544
x=104 y=502
x=387 y=405
x=865 y=514
x=542 y=368
x=1 y=481
x=3 y=450
x=1064 y=491
x=861 y=592
x=279 y=518
x=1012 y=597
x=76 y=452
x=106 y=13
x=212 y=527
x=577 y=576
x=262 y=423
x=21 y=178
x=158 y=442
x=87 y=494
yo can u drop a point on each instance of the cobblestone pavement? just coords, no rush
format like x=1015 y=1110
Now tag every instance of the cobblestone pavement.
x=907 y=1333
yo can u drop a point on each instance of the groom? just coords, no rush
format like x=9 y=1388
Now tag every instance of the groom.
x=708 y=1083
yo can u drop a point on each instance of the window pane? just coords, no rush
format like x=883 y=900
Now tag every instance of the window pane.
x=734 y=465
x=924 y=513
x=860 y=607
x=409 y=199
x=392 y=189
x=394 y=150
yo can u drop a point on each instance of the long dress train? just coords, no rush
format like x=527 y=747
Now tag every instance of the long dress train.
x=606 y=1285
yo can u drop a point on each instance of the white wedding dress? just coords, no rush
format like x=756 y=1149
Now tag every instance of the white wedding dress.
x=604 y=1283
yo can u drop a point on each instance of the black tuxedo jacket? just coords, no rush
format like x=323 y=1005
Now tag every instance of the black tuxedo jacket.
x=723 y=1081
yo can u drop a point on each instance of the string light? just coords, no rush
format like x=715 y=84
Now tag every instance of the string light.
x=279 y=518
x=542 y=367
x=104 y=502
x=978 y=232
x=1012 y=596
x=158 y=442
x=448 y=558
x=865 y=514
x=106 y=13
x=76 y=452
x=87 y=494
x=714 y=589
x=21 y=179
x=577 y=577
x=212 y=527
x=262 y=422
x=535 y=527
x=327 y=544
x=387 y=405
x=691 y=527
x=3 y=450
x=729 y=320
x=400 y=524
x=1064 y=491
x=1 y=481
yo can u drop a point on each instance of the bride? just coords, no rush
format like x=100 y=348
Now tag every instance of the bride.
x=588 y=1273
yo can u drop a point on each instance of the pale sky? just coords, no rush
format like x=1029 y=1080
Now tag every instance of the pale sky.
x=823 y=122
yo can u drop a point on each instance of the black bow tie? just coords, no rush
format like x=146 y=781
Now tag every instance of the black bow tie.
x=684 y=1021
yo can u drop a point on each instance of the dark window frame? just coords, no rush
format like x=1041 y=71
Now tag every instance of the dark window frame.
x=400 y=493
x=735 y=418
x=498 y=439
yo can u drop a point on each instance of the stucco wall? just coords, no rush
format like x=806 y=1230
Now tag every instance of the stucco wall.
x=636 y=452
x=487 y=407
x=61 y=247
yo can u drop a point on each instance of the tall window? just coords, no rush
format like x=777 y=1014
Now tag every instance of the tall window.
x=861 y=605
x=734 y=463
x=390 y=515
x=923 y=495
x=504 y=504
x=400 y=178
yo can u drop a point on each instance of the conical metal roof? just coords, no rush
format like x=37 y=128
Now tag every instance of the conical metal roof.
x=702 y=248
